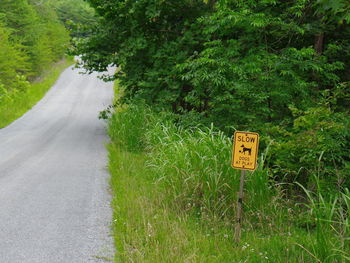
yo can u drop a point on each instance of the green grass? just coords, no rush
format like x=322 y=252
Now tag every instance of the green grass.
x=175 y=195
x=147 y=229
x=16 y=104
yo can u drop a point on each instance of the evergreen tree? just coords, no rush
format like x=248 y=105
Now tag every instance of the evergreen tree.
x=35 y=31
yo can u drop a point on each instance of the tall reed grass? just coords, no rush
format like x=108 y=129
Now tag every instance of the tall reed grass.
x=193 y=165
x=329 y=216
x=191 y=169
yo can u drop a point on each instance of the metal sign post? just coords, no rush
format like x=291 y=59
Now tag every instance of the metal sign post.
x=239 y=208
x=244 y=157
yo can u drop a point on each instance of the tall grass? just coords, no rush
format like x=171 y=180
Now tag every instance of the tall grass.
x=176 y=184
x=330 y=218
x=129 y=125
x=193 y=165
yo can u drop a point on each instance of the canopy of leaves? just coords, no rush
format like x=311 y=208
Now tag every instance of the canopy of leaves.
x=76 y=15
x=250 y=64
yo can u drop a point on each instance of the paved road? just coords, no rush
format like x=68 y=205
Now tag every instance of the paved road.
x=54 y=201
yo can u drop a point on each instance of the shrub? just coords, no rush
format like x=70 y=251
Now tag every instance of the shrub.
x=318 y=143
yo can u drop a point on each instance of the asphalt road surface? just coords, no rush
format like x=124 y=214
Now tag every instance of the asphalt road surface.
x=54 y=200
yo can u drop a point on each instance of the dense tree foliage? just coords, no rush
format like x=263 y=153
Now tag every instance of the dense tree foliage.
x=31 y=39
x=277 y=67
x=11 y=62
x=77 y=15
x=36 y=28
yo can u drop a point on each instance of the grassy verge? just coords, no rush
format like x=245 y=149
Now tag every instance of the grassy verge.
x=174 y=201
x=15 y=105
x=146 y=229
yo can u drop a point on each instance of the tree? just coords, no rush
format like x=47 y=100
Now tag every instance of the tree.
x=12 y=61
x=250 y=64
x=76 y=15
x=147 y=39
x=35 y=30
x=222 y=58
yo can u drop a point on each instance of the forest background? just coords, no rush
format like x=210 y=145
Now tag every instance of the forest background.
x=34 y=38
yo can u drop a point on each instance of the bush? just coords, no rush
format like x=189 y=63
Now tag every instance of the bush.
x=317 y=144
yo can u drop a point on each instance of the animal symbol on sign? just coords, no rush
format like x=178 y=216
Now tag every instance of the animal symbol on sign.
x=244 y=150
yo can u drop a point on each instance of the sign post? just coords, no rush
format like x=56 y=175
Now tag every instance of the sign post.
x=239 y=208
x=244 y=157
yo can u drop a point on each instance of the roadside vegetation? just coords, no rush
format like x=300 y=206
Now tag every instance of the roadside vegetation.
x=34 y=37
x=175 y=195
x=14 y=104
x=192 y=73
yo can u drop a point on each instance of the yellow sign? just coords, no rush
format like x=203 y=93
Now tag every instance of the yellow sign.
x=245 y=150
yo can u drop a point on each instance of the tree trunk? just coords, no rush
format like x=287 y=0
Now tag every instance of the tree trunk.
x=211 y=3
x=319 y=39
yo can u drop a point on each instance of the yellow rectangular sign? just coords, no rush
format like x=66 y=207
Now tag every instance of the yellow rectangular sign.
x=245 y=150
